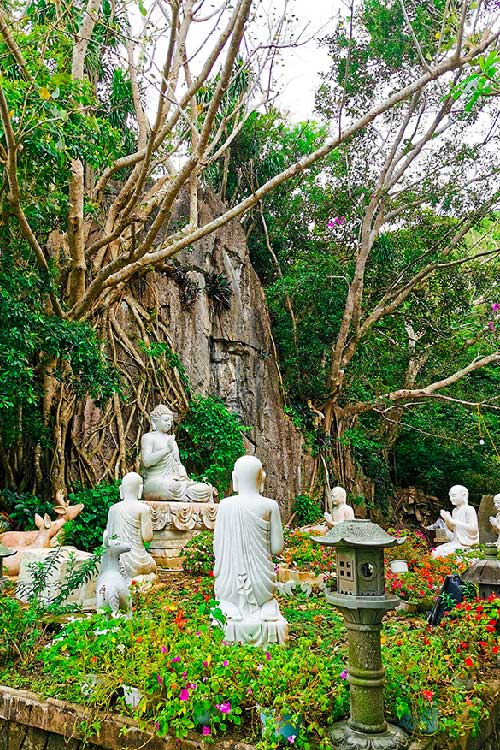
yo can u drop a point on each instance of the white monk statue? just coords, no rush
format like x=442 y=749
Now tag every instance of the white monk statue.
x=247 y=533
x=165 y=478
x=461 y=524
x=129 y=521
x=495 y=520
x=340 y=510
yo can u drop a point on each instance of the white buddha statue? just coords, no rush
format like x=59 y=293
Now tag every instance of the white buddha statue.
x=495 y=520
x=461 y=524
x=129 y=522
x=340 y=510
x=247 y=533
x=165 y=478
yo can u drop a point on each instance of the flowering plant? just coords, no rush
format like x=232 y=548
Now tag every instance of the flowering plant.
x=302 y=552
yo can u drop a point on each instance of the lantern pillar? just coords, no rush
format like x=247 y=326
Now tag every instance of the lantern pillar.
x=362 y=600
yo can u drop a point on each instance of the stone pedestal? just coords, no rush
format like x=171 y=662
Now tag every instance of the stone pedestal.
x=174 y=525
x=68 y=558
x=366 y=728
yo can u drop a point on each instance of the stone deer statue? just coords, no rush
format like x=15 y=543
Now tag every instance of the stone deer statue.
x=113 y=589
x=65 y=511
x=21 y=540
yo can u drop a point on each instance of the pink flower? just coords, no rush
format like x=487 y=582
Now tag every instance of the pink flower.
x=157 y=726
x=176 y=658
x=337 y=221
x=198 y=633
x=344 y=674
x=163 y=649
x=495 y=306
x=291 y=738
x=491 y=325
x=159 y=679
x=205 y=663
x=184 y=694
x=268 y=656
x=184 y=674
x=224 y=708
x=206 y=731
x=225 y=663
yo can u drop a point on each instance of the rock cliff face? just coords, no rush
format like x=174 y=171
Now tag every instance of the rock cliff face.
x=229 y=353
x=226 y=352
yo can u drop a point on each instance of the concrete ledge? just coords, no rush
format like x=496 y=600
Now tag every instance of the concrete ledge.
x=23 y=712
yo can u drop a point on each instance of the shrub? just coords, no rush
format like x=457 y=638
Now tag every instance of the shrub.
x=306 y=510
x=210 y=440
x=22 y=507
x=85 y=531
x=198 y=554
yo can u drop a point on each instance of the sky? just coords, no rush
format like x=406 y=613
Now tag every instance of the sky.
x=302 y=66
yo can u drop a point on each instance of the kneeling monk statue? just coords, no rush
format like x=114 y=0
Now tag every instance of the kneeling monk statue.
x=247 y=533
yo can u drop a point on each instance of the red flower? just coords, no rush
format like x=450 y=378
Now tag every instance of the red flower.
x=180 y=620
x=468 y=662
x=428 y=694
x=495 y=649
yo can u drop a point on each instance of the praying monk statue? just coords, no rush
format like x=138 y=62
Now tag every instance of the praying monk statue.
x=247 y=534
x=129 y=522
x=461 y=524
x=165 y=477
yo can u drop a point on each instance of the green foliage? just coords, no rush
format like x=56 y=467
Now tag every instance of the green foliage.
x=198 y=555
x=219 y=291
x=210 y=440
x=30 y=339
x=85 y=531
x=22 y=507
x=306 y=509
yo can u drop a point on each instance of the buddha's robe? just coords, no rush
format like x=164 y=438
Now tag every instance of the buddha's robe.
x=167 y=480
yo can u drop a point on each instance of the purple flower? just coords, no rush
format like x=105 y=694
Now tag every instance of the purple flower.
x=176 y=658
x=163 y=649
x=191 y=685
x=225 y=663
x=291 y=738
x=198 y=633
x=224 y=708
x=344 y=674
x=495 y=306
x=157 y=726
x=205 y=663
x=491 y=325
x=206 y=731
x=159 y=679
x=268 y=656
x=184 y=694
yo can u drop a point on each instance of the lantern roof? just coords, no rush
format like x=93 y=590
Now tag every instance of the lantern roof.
x=485 y=571
x=359 y=532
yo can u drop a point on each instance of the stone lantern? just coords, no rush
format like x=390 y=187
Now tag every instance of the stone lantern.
x=362 y=600
x=485 y=573
x=5 y=552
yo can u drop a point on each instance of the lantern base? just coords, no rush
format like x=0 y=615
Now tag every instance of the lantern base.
x=346 y=738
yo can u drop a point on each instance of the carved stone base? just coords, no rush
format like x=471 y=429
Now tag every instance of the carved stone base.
x=174 y=525
x=345 y=738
